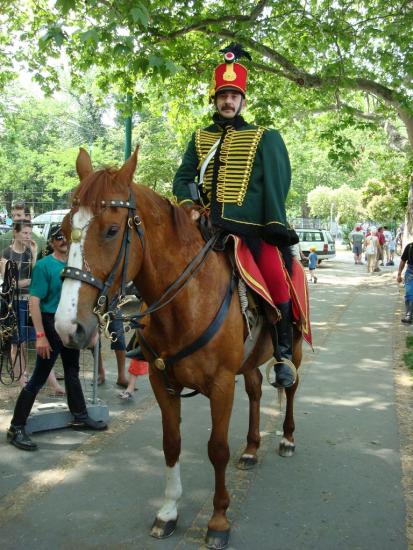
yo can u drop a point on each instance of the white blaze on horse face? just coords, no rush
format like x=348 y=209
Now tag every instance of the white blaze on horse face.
x=66 y=314
x=173 y=492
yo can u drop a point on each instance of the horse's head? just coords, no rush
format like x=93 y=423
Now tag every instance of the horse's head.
x=100 y=226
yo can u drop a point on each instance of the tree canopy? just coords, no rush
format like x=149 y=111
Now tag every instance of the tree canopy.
x=350 y=60
x=319 y=54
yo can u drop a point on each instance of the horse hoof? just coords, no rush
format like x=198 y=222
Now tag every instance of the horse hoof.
x=246 y=462
x=163 y=529
x=286 y=448
x=217 y=539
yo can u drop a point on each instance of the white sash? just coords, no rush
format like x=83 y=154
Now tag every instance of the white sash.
x=208 y=158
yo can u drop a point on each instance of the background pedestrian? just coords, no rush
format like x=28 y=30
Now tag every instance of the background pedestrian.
x=312 y=263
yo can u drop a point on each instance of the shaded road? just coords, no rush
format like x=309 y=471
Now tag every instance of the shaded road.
x=341 y=490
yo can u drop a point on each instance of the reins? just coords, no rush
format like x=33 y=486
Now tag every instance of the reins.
x=180 y=283
x=165 y=364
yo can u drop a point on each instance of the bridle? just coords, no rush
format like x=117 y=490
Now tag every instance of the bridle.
x=133 y=221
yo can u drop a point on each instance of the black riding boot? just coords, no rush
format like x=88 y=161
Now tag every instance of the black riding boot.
x=408 y=318
x=16 y=434
x=77 y=404
x=282 y=337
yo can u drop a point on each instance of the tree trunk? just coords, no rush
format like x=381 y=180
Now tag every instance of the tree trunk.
x=305 y=210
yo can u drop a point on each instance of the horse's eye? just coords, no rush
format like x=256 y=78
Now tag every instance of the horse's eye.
x=112 y=231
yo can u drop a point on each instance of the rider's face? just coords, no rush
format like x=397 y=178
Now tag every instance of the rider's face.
x=228 y=102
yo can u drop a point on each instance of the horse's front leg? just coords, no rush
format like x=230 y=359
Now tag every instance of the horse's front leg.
x=221 y=401
x=253 y=383
x=167 y=516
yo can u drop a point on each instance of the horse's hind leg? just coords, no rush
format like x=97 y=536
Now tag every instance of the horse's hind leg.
x=253 y=382
x=221 y=400
x=287 y=444
x=167 y=516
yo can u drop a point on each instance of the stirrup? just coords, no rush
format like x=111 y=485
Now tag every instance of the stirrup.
x=272 y=364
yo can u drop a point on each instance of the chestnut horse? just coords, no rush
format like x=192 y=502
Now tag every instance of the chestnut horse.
x=161 y=240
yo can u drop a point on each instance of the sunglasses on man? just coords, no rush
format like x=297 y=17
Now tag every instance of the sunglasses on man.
x=58 y=238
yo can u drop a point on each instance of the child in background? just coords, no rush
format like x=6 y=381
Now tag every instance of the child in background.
x=136 y=368
x=312 y=263
x=392 y=250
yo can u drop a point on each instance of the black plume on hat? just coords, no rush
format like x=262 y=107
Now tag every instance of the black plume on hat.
x=237 y=50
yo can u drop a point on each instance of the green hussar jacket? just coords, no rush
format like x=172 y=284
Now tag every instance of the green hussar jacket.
x=246 y=183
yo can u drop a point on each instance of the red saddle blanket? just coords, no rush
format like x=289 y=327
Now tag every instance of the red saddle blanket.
x=297 y=284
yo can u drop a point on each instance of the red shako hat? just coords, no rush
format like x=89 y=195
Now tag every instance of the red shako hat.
x=230 y=75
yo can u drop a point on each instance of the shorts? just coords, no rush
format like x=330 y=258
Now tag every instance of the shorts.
x=357 y=249
x=138 y=368
x=25 y=332
x=116 y=326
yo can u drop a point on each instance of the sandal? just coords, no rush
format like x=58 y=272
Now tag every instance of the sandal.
x=57 y=393
x=126 y=396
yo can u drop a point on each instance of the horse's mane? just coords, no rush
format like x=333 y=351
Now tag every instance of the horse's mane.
x=180 y=217
x=95 y=188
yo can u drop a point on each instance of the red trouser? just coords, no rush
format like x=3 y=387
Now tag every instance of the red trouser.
x=270 y=264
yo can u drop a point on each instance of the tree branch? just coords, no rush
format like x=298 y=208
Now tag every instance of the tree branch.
x=201 y=25
x=289 y=70
x=397 y=140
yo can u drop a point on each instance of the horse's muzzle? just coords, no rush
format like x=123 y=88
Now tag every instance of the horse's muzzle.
x=81 y=340
x=78 y=335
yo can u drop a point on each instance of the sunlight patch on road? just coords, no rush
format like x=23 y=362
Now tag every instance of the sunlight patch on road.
x=349 y=402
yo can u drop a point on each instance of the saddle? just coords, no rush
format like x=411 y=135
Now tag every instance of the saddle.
x=254 y=290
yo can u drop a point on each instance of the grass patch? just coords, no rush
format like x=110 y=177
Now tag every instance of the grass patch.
x=408 y=356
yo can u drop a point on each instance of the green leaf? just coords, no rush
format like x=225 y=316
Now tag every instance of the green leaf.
x=155 y=61
x=120 y=50
x=140 y=15
x=65 y=6
x=90 y=36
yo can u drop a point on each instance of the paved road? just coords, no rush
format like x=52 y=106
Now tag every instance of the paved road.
x=341 y=490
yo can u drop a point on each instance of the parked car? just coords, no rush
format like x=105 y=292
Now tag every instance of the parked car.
x=4 y=228
x=321 y=239
x=43 y=223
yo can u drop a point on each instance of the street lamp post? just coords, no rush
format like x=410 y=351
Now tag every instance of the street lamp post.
x=128 y=127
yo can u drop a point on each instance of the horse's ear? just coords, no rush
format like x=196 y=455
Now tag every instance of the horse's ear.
x=83 y=164
x=128 y=169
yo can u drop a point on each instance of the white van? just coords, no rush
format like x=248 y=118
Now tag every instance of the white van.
x=321 y=239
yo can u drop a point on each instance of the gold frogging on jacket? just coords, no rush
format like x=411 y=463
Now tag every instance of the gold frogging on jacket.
x=237 y=156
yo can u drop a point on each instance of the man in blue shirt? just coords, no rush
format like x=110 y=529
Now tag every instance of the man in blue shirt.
x=45 y=291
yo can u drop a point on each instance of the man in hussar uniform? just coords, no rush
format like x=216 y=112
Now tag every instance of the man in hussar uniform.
x=243 y=176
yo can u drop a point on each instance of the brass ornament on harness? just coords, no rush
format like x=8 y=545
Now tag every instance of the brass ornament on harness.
x=134 y=222
x=159 y=363
x=76 y=235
